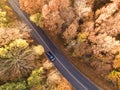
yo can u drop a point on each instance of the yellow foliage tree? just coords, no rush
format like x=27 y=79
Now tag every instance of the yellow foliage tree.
x=39 y=50
x=114 y=76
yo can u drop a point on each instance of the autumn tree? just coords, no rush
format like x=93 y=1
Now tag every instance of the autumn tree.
x=31 y=7
x=18 y=59
x=71 y=32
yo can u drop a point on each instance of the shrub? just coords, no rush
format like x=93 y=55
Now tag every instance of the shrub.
x=14 y=86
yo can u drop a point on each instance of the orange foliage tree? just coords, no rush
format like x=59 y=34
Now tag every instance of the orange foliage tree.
x=31 y=6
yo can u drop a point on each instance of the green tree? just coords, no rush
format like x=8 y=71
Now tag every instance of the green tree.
x=14 y=86
x=35 y=78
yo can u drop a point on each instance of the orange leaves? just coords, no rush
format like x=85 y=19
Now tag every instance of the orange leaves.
x=31 y=6
x=71 y=31
x=116 y=62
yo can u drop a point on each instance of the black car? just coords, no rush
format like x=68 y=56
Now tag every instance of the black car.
x=50 y=56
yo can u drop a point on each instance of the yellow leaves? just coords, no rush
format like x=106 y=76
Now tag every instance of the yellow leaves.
x=7 y=17
x=3 y=52
x=2 y=14
x=114 y=76
x=82 y=36
x=34 y=79
x=19 y=43
x=37 y=19
x=38 y=49
x=3 y=18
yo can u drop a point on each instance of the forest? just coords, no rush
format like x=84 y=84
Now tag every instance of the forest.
x=89 y=29
x=23 y=63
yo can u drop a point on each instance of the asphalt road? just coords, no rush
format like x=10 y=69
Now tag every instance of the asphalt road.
x=76 y=78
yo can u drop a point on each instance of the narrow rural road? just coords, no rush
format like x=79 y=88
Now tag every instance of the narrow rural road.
x=76 y=78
